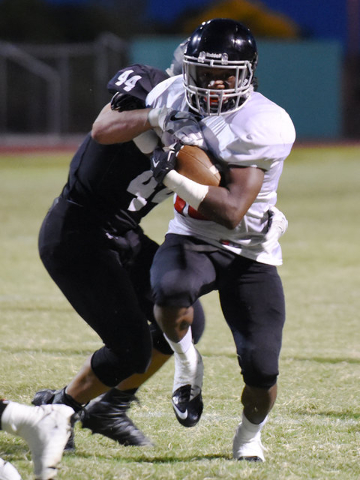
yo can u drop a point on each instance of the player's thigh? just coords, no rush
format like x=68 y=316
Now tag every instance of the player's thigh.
x=180 y=274
x=98 y=287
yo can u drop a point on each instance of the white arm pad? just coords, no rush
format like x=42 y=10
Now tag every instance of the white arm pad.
x=156 y=115
x=193 y=193
x=146 y=142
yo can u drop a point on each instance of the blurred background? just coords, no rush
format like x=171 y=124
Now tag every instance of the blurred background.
x=56 y=57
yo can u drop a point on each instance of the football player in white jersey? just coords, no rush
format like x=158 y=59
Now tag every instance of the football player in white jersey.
x=216 y=241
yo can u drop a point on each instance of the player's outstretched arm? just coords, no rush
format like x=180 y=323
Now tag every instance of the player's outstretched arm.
x=117 y=126
x=112 y=126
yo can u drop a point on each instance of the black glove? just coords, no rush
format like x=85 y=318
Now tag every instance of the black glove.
x=124 y=101
x=162 y=162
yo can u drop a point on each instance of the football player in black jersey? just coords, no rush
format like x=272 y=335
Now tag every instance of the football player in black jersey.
x=92 y=246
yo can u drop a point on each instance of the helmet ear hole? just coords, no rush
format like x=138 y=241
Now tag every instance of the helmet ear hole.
x=227 y=46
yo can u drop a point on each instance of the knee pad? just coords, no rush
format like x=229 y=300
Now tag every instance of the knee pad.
x=265 y=382
x=258 y=377
x=111 y=367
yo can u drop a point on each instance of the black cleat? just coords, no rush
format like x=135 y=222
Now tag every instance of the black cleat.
x=188 y=412
x=43 y=397
x=47 y=396
x=186 y=397
x=108 y=417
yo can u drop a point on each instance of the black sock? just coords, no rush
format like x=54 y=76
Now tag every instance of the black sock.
x=120 y=395
x=3 y=405
x=62 y=397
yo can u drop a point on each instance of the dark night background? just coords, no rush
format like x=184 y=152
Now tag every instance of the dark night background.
x=82 y=20
x=75 y=46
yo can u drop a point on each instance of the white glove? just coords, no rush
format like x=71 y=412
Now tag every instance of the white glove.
x=183 y=125
x=277 y=227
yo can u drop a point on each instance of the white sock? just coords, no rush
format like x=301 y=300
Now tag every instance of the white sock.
x=252 y=427
x=186 y=360
x=184 y=344
x=185 y=351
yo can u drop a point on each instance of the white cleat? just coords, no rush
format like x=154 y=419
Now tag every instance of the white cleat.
x=46 y=429
x=247 y=445
x=8 y=471
x=47 y=438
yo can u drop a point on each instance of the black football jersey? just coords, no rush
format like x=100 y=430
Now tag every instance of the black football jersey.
x=115 y=181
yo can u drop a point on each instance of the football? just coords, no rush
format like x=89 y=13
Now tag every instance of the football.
x=196 y=164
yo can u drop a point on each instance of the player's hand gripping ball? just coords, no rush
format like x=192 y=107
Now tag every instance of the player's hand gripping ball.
x=196 y=164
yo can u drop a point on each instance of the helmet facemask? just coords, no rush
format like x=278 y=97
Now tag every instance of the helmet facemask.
x=200 y=75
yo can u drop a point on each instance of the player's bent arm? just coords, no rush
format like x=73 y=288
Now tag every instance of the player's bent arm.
x=227 y=206
x=112 y=126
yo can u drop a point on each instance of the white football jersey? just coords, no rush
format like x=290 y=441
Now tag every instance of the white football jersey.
x=260 y=134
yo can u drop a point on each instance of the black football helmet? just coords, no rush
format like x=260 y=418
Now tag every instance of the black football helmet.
x=219 y=49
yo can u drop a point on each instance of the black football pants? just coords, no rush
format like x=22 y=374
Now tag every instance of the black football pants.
x=251 y=298
x=88 y=267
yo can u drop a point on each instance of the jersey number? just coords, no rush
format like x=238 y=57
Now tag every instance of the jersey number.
x=129 y=83
x=180 y=206
x=143 y=187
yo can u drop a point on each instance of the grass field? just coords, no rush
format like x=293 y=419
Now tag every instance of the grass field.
x=313 y=431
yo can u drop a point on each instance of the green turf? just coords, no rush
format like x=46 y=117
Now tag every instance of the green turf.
x=313 y=431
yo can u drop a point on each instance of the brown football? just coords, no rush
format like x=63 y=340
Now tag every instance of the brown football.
x=194 y=163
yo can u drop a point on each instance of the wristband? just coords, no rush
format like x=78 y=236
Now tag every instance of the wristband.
x=193 y=193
